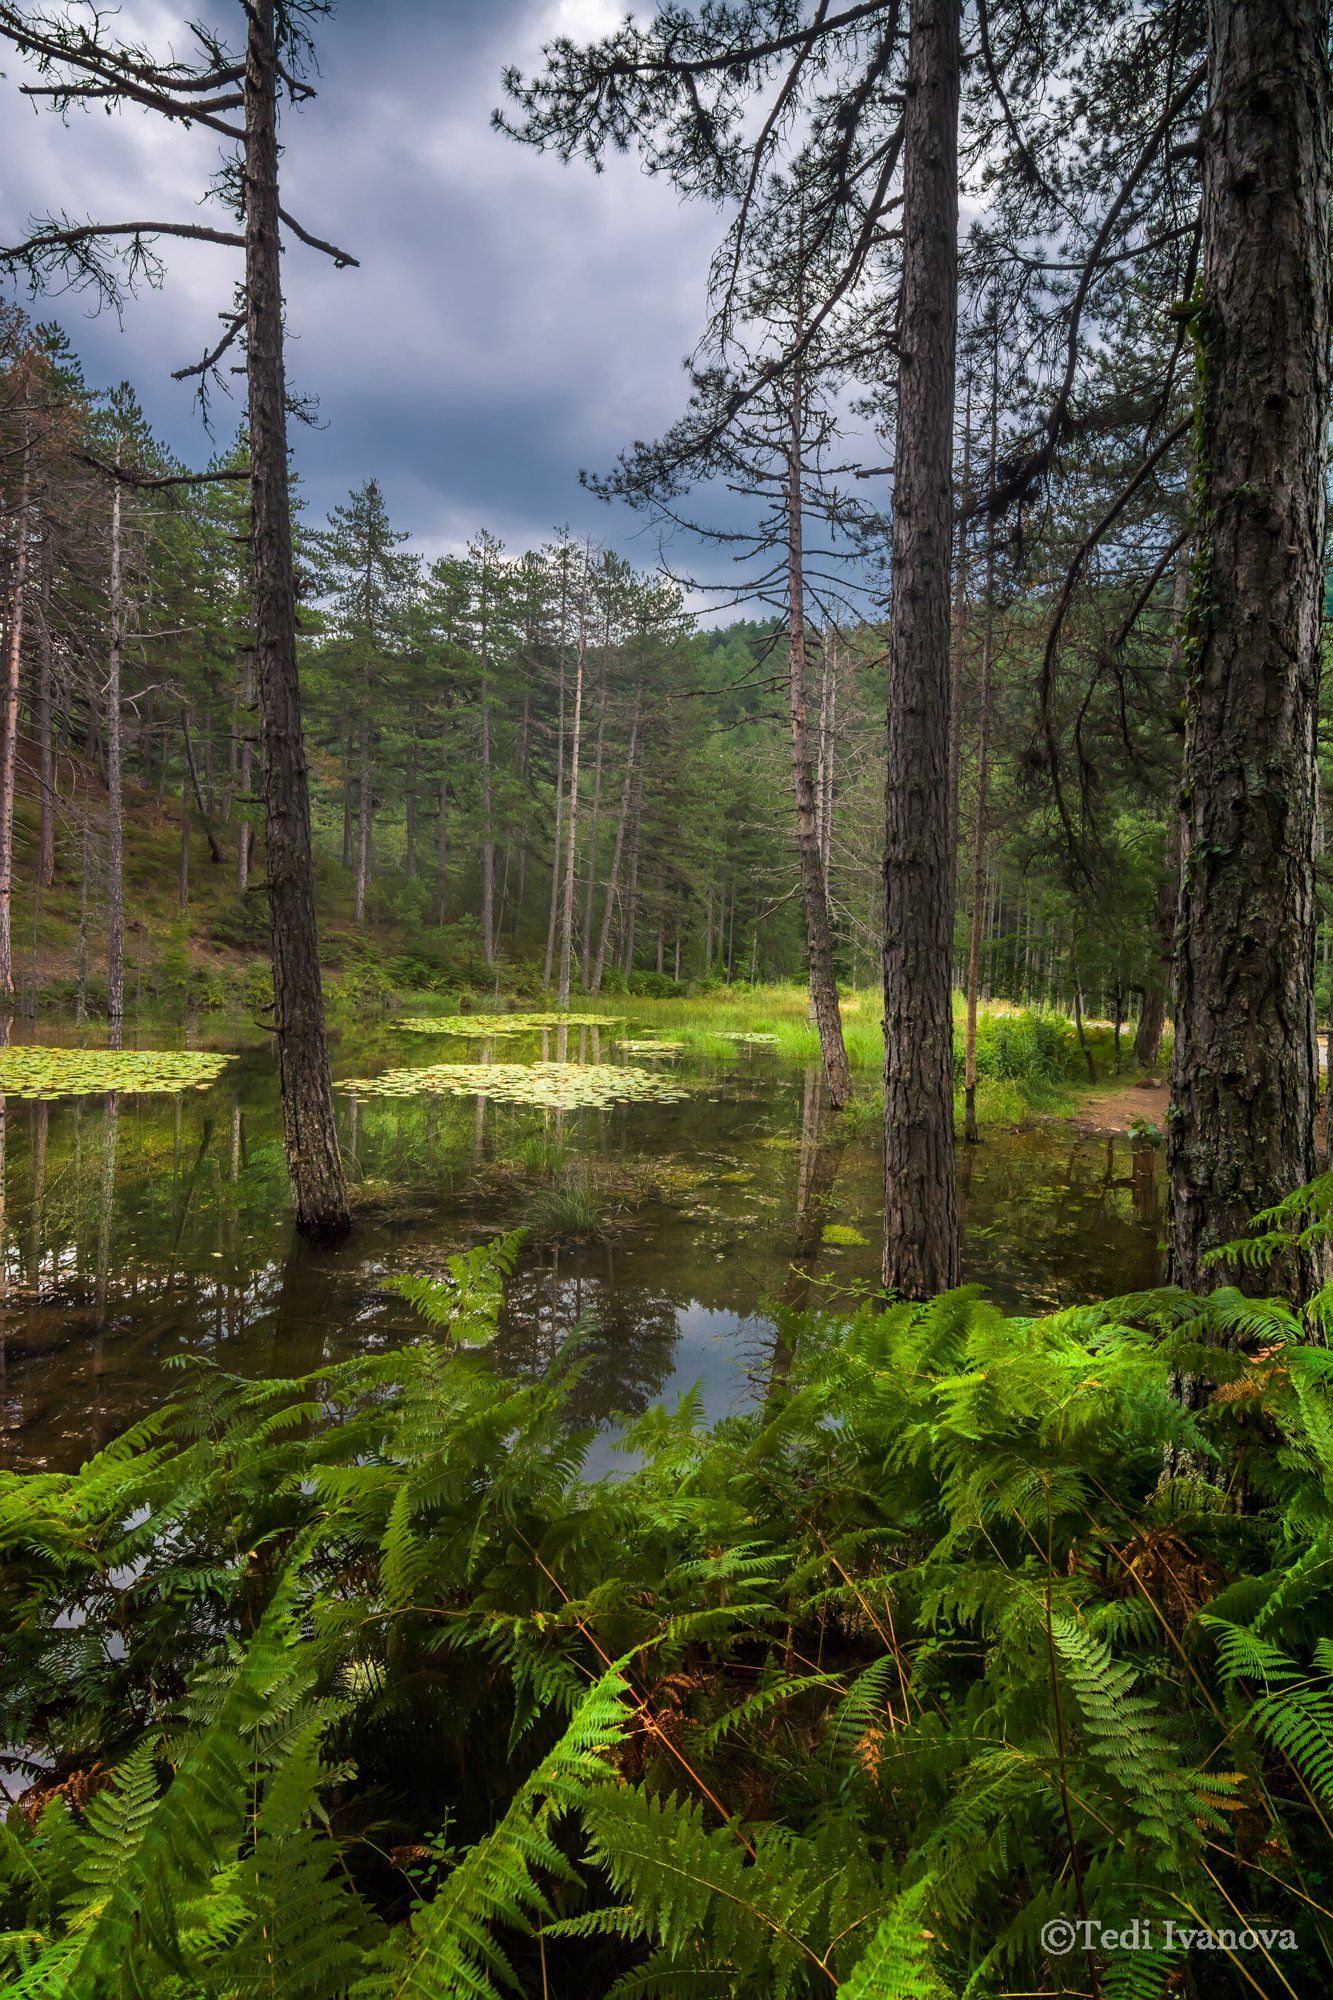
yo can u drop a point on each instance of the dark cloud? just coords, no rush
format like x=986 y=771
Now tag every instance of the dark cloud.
x=511 y=320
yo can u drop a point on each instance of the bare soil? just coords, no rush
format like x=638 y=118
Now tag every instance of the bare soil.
x=1115 y=1109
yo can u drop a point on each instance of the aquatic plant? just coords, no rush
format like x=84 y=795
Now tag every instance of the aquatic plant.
x=554 y=1086
x=841 y=1235
x=32 y=1071
x=500 y=1024
x=349 y=1686
x=651 y=1048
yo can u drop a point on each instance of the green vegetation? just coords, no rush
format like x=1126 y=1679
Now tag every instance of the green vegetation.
x=554 y=1086
x=50 y=1072
x=862 y=1689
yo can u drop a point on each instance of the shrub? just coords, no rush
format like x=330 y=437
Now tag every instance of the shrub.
x=348 y=1685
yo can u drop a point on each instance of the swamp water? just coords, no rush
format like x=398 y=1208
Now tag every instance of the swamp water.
x=139 y=1226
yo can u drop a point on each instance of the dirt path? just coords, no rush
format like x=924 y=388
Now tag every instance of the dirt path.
x=1116 y=1108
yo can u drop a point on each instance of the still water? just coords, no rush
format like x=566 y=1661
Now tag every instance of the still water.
x=138 y=1227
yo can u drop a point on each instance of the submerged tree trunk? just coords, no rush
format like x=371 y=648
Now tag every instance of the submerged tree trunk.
x=9 y=718
x=1245 y=1071
x=115 y=862
x=921 y=1250
x=814 y=900
x=309 y=1126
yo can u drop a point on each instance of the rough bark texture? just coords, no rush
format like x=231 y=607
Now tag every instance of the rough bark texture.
x=572 y=821
x=309 y=1127
x=9 y=719
x=814 y=899
x=1245 y=1070
x=46 y=774
x=921 y=1254
x=115 y=863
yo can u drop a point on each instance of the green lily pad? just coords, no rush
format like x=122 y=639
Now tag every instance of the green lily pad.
x=30 y=1071
x=501 y=1024
x=652 y=1048
x=551 y=1086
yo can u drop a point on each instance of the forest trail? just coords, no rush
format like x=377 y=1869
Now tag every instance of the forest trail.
x=1115 y=1110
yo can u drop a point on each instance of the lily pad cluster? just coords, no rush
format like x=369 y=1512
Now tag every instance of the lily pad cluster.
x=31 y=1071
x=552 y=1086
x=500 y=1024
x=751 y=1040
x=651 y=1048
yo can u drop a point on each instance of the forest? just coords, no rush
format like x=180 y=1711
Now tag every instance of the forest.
x=666 y=1180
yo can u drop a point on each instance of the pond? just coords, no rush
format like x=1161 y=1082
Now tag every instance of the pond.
x=661 y=1232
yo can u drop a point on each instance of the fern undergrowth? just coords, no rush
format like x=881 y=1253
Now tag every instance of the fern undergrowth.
x=348 y=1685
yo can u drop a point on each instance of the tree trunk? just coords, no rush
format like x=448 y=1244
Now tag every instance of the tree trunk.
x=553 y=911
x=183 y=885
x=572 y=812
x=970 y=1131
x=626 y=792
x=411 y=803
x=46 y=776
x=9 y=719
x=814 y=902
x=487 y=811
x=309 y=1126
x=1157 y=991
x=115 y=861
x=442 y=854
x=921 y=1250
x=1245 y=1071
x=365 y=810
x=215 y=853
x=590 y=889
x=632 y=874
x=958 y=628
x=245 y=834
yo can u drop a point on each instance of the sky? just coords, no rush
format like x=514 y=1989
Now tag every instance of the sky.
x=511 y=322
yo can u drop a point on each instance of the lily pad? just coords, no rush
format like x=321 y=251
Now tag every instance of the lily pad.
x=31 y=1071
x=551 y=1086
x=501 y=1024
x=652 y=1048
x=748 y=1040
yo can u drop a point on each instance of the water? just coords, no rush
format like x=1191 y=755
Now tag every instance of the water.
x=138 y=1227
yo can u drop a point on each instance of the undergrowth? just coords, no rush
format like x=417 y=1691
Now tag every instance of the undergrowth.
x=349 y=1685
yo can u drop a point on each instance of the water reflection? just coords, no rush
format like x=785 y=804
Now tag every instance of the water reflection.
x=136 y=1227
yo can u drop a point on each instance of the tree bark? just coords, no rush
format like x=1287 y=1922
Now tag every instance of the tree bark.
x=115 y=861
x=814 y=900
x=572 y=810
x=309 y=1126
x=1245 y=1068
x=9 y=718
x=626 y=792
x=1157 y=991
x=958 y=627
x=921 y=1248
x=970 y=1131
x=245 y=832
x=46 y=776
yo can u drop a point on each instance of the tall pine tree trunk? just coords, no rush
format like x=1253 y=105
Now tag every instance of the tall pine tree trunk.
x=245 y=835
x=309 y=1127
x=979 y=822
x=1157 y=989
x=115 y=861
x=9 y=714
x=921 y=1250
x=626 y=793
x=572 y=812
x=46 y=775
x=814 y=901
x=1245 y=1069
x=590 y=888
